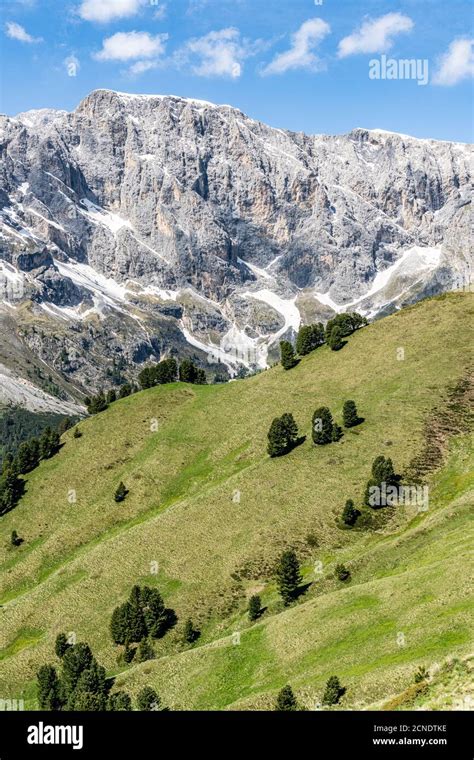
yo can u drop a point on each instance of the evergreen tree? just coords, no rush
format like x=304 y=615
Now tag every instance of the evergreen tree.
x=167 y=371
x=282 y=436
x=111 y=396
x=96 y=404
x=90 y=693
x=309 y=338
x=28 y=456
x=61 y=646
x=288 y=576
x=129 y=653
x=75 y=660
x=119 y=624
x=286 y=700
x=148 y=700
x=350 y=513
x=382 y=473
x=120 y=493
x=137 y=628
x=342 y=573
x=125 y=390
x=145 y=651
x=154 y=611
x=48 y=688
x=255 y=607
x=322 y=426
x=11 y=489
x=287 y=354
x=349 y=414
x=190 y=634
x=189 y=373
x=119 y=701
x=333 y=691
x=15 y=539
x=335 y=339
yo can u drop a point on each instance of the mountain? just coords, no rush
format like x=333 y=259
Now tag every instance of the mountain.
x=208 y=513
x=138 y=226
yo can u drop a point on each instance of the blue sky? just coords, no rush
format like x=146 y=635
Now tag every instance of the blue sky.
x=296 y=64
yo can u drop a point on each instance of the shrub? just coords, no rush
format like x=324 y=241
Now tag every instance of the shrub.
x=286 y=700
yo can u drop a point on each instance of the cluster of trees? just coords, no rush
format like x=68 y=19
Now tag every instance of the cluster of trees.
x=283 y=433
x=29 y=455
x=341 y=326
x=18 y=425
x=101 y=401
x=82 y=684
x=382 y=473
x=165 y=371
x=142 y=617
x=312 y=336
x=286 y=700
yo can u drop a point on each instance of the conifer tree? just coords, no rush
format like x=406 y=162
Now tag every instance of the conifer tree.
x=119 y=701
x=61 y=645
x=333 y=691
x=335 y=339
x=349 y=414
x=145 y=651
x=48 y=688
x=288 y=576
x=287 y=353
x=286 y=700
x=120 y=493
x=282 y=436
x=148 y=700
x=322 y=426
x=255 y=607
x=350 y=513
x=309 y=338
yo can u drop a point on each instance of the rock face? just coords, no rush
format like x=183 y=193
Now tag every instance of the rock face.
x=150 y=224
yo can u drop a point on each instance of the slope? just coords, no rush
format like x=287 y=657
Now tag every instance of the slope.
x=213 y=512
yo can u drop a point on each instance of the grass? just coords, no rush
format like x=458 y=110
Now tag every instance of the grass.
x=409 y=575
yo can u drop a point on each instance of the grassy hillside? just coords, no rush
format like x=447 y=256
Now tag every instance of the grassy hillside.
x=184 y=452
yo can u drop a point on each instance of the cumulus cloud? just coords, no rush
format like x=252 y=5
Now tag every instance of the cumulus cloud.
x=218 y=54
x=375 y=35
x=17 y=32
x=103 y=11
x=301 y=54
x=456 y=64
x=127 y=46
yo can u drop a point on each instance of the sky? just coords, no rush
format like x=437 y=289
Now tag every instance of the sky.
x=317 y=66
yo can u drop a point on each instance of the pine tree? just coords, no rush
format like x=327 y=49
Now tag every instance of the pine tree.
x=120 y=493
x=287 y=353
x=119 y=701
x=349 y=414
x=309 y=338
x=137 y=628
x=119 y=624
x=333 y=691
x=111 y=396
x=322 y=426
x=145 y=651
x=255 y=607
x=148 y=700
x=288 y=576
x=75 y=660
x=125 y=390
x=286 y=700
x=15 y=539
x=350 y=513
x=189 y=373
x=190 y=634
x=335 y=341
x=154 y=612
x=61 y=645
x=48 y=688
x=342 y=573
x=282 y=436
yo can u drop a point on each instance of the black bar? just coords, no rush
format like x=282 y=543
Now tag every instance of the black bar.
x=136 y=734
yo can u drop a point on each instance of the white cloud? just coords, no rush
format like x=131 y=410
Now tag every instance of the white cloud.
x=140 y=67
x=375 y=36
x=126 y=46
x=160 y=12
x=109 y=10
x=457 y=63
x=17 y=32
x=301 y=54
x=219 y=54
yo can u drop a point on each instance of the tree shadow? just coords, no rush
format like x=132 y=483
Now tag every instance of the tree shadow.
x=301 y=590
